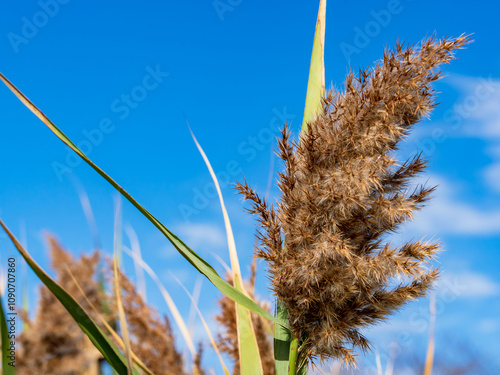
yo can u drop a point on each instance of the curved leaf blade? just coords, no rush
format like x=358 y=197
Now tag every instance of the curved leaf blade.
x=179 y=320
x=205 y=325
x=88 y=326
x=248 y=348
x=191 y=256
x=316 y=82
x=110 y=329
x=282 y=340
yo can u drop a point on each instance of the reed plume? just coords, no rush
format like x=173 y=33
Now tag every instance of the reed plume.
x=343 y=191
x=152 y=339
x=53 y=342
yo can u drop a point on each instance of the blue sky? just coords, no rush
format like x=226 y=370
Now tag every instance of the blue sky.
x=119 y=77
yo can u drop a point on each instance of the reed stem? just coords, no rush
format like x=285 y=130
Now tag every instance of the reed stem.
x=294 y=349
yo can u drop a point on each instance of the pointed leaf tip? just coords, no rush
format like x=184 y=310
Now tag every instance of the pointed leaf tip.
x=316 y=83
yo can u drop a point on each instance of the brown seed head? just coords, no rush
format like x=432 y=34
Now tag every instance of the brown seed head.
x=342 y=192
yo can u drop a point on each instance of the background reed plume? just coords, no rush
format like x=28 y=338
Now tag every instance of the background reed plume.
x=54 y=344
x=342 y=192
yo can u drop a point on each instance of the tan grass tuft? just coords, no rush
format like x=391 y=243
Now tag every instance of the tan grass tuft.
x=54 y=343
x=152 y=339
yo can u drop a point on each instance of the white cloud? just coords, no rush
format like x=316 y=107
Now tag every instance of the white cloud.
x=414 y=320
x=468 y=285
x=203 y=236
x=489 y=325
x=446 y=216
x=494 y=151
x=477 y=113
x=478 y=108
x=447 y=213
x=491 y=175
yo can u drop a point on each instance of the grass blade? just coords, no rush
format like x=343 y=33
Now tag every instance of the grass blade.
x=316 y=83
x=282 y=341
x=191 y=320
x=389 y=369
x=168 y=299
x=205 y=325
x=121 y=315
x=87 y=211
x=106 y=324
x=117 y=230
x=250 y=362
x=293 y=356
x=139 y=272
x=192 y=257
x=378 y=362
x=88 y=326
x=429 y=360
x=192 y=310
x=221 y=262
x=118 y=292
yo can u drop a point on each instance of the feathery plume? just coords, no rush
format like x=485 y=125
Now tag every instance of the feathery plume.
x=152 y=339
x=54 y=343
x=342 y=192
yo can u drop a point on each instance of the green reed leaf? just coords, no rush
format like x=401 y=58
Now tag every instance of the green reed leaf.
x=282 y=340
x=250 y=361
x=88 y=326
x=6 y=343
x=192 y=257
x=316 y=83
